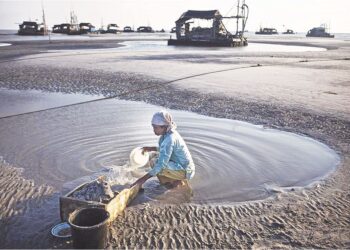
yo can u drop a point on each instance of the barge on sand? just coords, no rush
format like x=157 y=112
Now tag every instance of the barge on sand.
x=319 y=32
x=32 y=29
x=215 y=35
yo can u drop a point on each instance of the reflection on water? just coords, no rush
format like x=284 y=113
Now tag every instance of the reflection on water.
x=252 y=47
x=15 y=101
x=235 y=161
x=161 y=46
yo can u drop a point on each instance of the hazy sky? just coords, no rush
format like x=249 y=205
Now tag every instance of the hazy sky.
x=299 y=15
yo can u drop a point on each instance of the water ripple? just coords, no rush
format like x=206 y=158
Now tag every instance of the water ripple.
x=235 y=161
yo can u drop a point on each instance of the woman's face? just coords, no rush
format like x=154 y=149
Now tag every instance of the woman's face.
x=159 y=130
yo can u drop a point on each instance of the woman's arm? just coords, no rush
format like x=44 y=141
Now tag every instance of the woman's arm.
x=148 y=149
x=142 y=180
x=165 y=151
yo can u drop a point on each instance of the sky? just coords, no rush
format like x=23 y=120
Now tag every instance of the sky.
x=299 y=15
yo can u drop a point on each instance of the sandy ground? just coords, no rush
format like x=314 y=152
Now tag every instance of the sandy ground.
x=307 y=93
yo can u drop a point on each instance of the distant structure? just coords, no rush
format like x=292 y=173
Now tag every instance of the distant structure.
x=73 y=28
x=33 y=28
x=128 y=29
x=216 y=35
x=288 y=32
x=61 y=28
x=145 y=29
x=267 y=31
x=112 y=28
x=319 y=32
x=56 y=28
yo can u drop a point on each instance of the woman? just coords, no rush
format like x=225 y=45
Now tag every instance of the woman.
x=174 y=163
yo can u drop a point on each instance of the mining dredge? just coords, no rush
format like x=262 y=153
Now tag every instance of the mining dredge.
x=214 y=35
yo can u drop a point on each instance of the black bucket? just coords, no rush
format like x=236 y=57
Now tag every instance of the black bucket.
x=89 y=227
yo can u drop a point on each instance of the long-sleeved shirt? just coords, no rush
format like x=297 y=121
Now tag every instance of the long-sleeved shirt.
x=173 y=155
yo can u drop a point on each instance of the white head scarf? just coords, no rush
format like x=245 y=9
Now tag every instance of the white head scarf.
x=164 y=118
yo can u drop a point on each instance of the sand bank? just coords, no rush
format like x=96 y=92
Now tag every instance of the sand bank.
x=315 y=104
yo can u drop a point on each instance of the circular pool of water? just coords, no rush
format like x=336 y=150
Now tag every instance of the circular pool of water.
x=235 y=161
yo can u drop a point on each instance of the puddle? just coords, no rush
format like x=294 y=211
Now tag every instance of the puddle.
x=235 y=161
x=252 y=47
x=16 y=102
x=5 y=44
x=161 y=46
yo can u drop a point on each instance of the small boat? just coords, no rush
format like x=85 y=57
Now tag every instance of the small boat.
x=65 y=27
x=31 y=28
x=128 y=29
x=85 y=28
x=267 y=31
x=319 y=32
x=62 y=28
x=288 y=32
x=73 y=29
x=214 y=35
x=82 y=28
x=56 y=28
x=112 y=28
x=145 y=29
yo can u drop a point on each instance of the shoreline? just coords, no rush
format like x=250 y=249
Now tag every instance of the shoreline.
x=41 y=46
x=314 y=217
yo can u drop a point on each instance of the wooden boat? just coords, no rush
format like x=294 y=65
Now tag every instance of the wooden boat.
x=115 y=206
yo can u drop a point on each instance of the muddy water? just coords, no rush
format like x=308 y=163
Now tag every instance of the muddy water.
x=235 y=161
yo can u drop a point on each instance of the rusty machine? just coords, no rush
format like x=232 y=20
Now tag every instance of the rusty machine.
x=214 y=35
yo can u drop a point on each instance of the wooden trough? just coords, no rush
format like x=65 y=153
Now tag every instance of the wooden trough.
x=115 y=206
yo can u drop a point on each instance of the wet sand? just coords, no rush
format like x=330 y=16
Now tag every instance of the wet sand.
x=310 y=98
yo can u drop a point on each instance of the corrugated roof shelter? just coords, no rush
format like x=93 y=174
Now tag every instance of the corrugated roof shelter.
x=200 y=14
x=212 y=32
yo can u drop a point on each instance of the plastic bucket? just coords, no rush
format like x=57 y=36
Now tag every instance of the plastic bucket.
x=89 y=227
